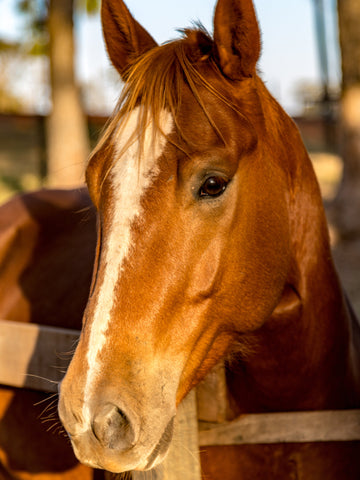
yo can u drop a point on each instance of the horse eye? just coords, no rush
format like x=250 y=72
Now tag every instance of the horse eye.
x=213 y=187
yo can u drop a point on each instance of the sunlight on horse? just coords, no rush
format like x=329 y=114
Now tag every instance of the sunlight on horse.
x=212 y=243
x=212 y=246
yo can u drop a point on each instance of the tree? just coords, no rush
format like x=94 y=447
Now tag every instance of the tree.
x=346 y=211
x=66 y=133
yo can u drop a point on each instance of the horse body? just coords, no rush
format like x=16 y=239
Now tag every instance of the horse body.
x=47 y=243
x=33 y=227
x=212 y=243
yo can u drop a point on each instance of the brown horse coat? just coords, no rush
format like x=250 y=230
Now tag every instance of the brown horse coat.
x=47 y=244
x=220 y=250
x=213 y=244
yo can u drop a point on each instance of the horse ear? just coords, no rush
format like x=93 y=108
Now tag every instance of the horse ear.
x=125 y=38
x=237 y=38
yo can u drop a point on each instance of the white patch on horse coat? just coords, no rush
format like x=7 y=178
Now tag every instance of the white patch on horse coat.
x=130 y=177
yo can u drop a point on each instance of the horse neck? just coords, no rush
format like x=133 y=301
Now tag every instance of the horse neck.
x=303 y=357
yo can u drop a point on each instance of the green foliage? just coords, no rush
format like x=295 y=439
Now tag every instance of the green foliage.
x=91 y=6
x=39 y=48
x=35 y=13
x=24 y=6
x=6 y=46
x=9 y=102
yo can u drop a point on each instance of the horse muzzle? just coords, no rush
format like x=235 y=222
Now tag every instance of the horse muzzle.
x=114 y=438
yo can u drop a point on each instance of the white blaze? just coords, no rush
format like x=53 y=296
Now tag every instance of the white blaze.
x=130 y=177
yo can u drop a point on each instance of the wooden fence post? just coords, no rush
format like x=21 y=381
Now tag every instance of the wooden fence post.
x=183 y=460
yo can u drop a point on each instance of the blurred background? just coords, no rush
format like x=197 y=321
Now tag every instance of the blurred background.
x=57 y=89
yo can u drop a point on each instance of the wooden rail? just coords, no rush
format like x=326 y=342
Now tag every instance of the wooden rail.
x=292 y=427
x=34 y=356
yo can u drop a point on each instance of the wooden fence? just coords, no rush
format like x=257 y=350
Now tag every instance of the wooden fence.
x=34 y=356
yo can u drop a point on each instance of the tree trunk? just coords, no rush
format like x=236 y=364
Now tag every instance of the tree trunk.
x=347 y=204
x=67 y=134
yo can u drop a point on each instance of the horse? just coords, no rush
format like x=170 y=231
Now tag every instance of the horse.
x=212 y=245
x=47 y=245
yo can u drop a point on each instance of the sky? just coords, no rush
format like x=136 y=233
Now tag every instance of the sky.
x=289 y=54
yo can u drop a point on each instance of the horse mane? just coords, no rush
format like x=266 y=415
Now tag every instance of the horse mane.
x=154 y=82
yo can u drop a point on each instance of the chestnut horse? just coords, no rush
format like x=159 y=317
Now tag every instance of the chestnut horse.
x=212 y=244
x=207 y=208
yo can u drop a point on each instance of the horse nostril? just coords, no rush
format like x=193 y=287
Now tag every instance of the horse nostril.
x=112 y=428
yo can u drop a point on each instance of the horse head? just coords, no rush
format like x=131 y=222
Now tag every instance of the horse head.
x=193 y=184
